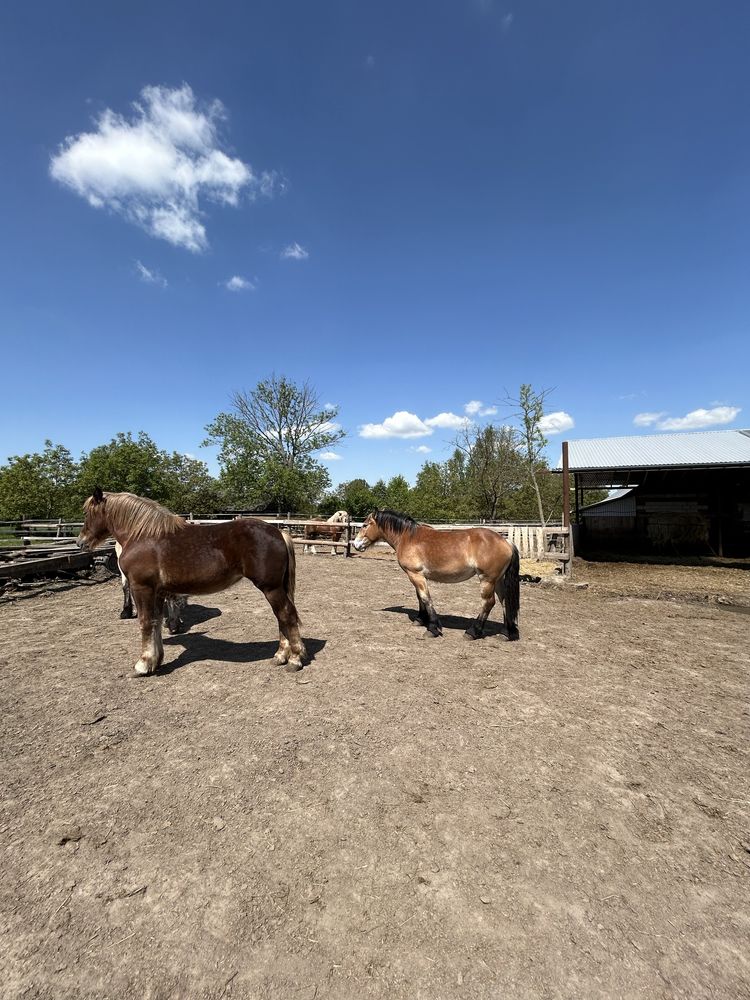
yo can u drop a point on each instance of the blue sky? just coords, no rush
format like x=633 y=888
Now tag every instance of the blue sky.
x=428 y=203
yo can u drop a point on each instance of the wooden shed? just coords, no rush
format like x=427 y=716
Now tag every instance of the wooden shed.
x=678 y=494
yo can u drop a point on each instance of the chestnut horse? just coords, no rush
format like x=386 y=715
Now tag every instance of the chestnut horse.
x=333 y=529
x=174 y=604
x=161 y=556
x=450 y=556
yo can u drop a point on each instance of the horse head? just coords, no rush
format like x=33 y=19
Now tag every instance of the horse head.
x=95 y=528
x=369 y=532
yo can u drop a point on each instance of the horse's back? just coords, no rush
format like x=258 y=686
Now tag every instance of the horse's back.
x=210 y=557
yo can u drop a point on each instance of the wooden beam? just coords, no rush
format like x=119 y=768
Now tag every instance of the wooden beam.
x=51 y=564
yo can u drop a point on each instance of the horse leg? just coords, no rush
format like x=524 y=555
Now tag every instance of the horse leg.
x=173 y=606
x=282 y=654
x=419 y=583
x=150 y=606
x=422 y=617
x=476 y=629
x=127 y=599
x=288 y=619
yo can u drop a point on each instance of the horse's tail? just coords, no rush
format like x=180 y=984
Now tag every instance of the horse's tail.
x=508 y=589
x=290 y=576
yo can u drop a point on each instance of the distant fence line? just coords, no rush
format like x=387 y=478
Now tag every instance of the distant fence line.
x=53 y=536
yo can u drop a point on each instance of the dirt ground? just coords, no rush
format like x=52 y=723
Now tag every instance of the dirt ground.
x=566 y=816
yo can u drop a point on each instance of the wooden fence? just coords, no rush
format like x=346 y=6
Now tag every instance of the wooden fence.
x=47 y=546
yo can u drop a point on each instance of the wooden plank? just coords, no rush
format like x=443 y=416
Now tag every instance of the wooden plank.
x=50 y=564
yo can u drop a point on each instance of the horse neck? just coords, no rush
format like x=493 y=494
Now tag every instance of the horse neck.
x=391 y=536
x=114 y=523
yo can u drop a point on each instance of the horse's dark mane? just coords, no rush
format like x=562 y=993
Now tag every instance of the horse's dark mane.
x=392 y=520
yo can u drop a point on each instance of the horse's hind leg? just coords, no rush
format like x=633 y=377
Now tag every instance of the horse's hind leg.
x=288 y=619
x=487 y=591
x=426 y=606
x=150 y=612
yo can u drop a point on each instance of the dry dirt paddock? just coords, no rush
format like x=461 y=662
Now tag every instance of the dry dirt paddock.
x=566 y=816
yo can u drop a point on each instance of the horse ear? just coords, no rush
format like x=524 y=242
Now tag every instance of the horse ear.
x=98 y=495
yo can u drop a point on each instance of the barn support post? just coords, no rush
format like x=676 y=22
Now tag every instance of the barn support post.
x=567 y=567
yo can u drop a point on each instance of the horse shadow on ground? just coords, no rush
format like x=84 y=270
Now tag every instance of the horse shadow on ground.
x=199 y=646
x=454 y=622
x=196 y=614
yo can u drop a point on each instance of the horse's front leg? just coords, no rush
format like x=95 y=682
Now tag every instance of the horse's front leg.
x=476 y=629
x=422 y=616
x=150 y=605
x=127 y=599
x=282 y=654
x=426 y=606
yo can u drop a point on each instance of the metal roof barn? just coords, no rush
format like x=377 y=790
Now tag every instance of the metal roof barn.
x=659 y=450
x=691 y=491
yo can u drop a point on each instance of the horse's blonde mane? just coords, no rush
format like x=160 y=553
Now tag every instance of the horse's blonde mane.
x=139 y=517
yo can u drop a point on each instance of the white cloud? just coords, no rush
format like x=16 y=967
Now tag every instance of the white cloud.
x=647 y=419
x=697 y=419
x=422 y=449
x=149 y=276
x=331 y=456
x=404 y=424
x=506 y=22
x=294 y=252
x=370 y=62
x=556 y=423
x=401 y=425
x=449 y=421
x=239 y=284
x=476 y=408
x=153 y=167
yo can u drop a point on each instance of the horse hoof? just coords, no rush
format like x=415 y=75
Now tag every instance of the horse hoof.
x=279 y=660
x=142 y=668
x=293 y=666
x=513 y=635
x=468 y=634
x=126 y=614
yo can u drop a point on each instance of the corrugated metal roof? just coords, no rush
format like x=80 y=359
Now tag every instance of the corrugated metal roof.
x=661 y=450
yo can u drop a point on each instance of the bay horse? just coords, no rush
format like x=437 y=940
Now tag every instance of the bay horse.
x=333 y=529
x=174 y=604
x=162 y=555
x=450 y=556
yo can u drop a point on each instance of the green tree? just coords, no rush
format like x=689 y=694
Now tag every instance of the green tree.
x=268 y=444
x=125 y=465
x=189 y=486
x=493 y=468
x=138 y=465
x=39 y=484
x=529 y=410
x=357 y=498
x=431 y=497
x=398 y=494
